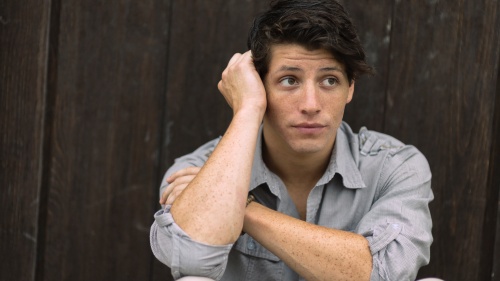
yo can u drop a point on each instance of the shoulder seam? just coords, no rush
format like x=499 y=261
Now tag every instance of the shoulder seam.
x=372 y=143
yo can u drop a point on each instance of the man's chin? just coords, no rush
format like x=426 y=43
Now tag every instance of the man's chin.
x=307 y=148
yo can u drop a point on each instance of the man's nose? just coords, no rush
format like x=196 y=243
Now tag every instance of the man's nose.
x=310 y=103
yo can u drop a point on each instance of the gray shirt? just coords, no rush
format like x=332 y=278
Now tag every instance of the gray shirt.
x=374 y=185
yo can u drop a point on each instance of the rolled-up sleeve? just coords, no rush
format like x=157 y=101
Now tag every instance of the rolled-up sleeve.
x=398 y=226
x=185 y=257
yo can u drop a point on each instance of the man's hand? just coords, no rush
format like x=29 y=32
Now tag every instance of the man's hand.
x=241 y=85
x=178 y=181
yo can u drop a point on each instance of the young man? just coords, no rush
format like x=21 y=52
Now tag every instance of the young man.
x=290 y=192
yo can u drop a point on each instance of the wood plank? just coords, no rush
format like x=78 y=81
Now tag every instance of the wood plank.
x=23 y=63
x=199 y=50
x=493 y=271
x=200 y=47
x=374 y=30
x=443 y=62
x=108 y=107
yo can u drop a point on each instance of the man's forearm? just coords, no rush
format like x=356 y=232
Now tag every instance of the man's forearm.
x=212 y=207
x=314 y=252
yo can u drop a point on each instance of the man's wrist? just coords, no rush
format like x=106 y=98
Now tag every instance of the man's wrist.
x=250 y=114
x=250 y=199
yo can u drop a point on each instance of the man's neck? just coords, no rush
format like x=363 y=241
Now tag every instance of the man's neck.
x=296 y=169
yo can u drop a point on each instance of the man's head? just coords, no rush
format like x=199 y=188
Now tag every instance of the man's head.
x=313 y=24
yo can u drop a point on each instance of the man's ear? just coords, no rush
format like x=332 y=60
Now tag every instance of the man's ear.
x=351 y=92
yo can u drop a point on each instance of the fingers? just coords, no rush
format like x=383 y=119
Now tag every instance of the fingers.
x=175 y=188
x=183 y=172
x=177 y=183
x=241 y=84
x=234 y=59
x=175 y=193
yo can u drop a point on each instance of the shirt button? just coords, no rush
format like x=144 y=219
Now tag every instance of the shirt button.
x=395 y=226
x=251 y=245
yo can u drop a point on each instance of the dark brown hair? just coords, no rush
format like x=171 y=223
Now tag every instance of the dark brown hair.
x=314 y=24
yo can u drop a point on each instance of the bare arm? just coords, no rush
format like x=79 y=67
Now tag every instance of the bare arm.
x=314 y=252
x=212 y=207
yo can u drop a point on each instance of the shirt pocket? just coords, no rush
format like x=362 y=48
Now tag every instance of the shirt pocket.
x=260 y=263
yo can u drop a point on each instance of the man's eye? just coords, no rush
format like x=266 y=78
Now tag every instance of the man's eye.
x=330 y=81
x=288 y=81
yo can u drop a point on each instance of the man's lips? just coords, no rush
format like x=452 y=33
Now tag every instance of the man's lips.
x=309 y=128
x=309 y=125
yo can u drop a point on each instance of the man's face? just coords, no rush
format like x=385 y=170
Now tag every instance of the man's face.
x=306 y=95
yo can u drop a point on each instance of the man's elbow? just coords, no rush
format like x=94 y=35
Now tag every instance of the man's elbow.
x=184 y=256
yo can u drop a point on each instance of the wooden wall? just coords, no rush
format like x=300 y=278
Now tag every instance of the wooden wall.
x=97 y=98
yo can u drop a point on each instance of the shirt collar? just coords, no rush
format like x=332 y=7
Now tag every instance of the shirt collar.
x=341 y=162
x=260 y=173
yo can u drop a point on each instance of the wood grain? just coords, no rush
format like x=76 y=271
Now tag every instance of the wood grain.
x=204 y=36
x=495 y=272
x=105 y=140
x=374 y=29
x=441 y=88
x=491 y=244
x=23 y=56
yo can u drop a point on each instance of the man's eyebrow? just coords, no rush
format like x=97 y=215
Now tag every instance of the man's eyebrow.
x=334 y=68
x=289 y=68
x=298 y=69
